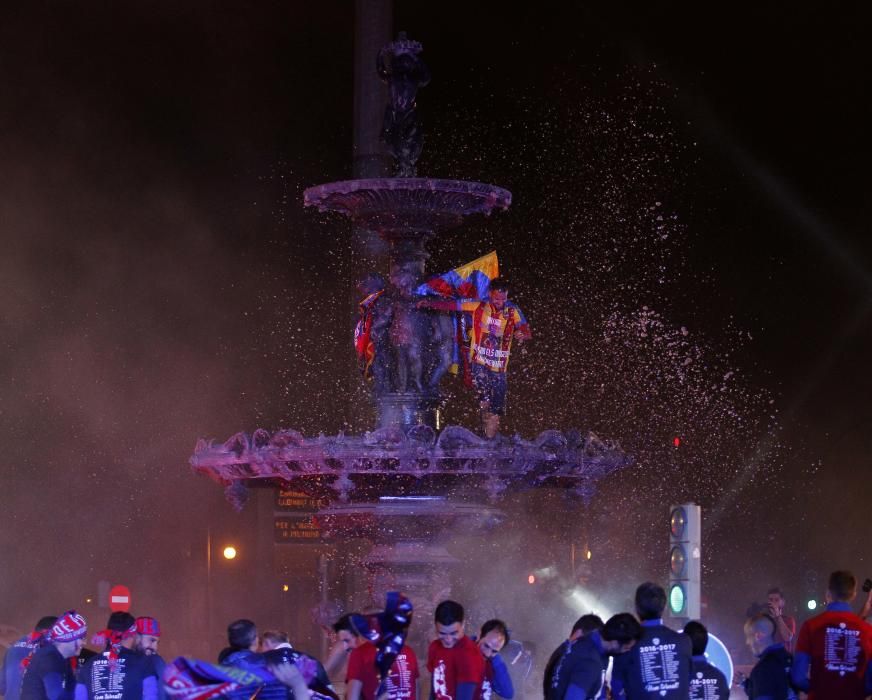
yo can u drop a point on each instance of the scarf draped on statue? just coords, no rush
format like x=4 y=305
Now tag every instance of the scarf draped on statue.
x=467 y=282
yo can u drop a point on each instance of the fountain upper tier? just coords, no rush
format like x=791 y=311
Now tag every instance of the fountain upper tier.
x=406 y=207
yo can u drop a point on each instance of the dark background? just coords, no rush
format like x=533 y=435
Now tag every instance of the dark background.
x=688 y=237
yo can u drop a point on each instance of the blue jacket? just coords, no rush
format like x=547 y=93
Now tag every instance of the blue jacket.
x=12 y=672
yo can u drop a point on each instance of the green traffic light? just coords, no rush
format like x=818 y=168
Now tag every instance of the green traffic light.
x=677 y=599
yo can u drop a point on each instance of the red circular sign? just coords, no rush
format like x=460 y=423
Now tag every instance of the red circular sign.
x=119 y=599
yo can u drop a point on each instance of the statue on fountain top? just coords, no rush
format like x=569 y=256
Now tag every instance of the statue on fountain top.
x=399 y=64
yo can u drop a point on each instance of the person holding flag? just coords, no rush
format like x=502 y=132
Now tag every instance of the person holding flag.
x=394 y=349
x=495 y=323
x=384 y=665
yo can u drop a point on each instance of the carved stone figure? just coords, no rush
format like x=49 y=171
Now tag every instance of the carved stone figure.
x=399 y=64
x=442 y=333
x=400 y=332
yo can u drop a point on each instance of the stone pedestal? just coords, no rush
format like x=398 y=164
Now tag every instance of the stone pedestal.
x=407 y=410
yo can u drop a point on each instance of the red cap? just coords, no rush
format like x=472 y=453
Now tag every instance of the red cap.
x=148 y=626
x=69 y=627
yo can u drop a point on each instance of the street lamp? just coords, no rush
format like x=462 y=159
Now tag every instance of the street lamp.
x=229 y=553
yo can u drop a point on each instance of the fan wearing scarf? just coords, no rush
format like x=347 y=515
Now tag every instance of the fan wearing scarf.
x=147 y=640
x=49 y=675
x=384 y=666
x=119 y=673
x=495 y=323
x=19 y=655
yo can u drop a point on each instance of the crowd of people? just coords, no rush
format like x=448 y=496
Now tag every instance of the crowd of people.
x=634 y=656
x=52 y=662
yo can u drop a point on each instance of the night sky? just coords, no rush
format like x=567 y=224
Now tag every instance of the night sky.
x=688 y=237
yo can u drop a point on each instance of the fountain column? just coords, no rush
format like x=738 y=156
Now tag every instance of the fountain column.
x=373 y=27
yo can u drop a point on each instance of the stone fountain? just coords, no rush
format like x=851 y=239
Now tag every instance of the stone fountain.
x=410 y=481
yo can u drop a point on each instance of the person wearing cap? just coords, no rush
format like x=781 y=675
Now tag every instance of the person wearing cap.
x=147 y=636
x=18 y=656
x=119 y=673
x=49 y=675
x=147 y=640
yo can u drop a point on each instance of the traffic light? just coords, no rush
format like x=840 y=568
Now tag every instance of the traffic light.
x=685 y=559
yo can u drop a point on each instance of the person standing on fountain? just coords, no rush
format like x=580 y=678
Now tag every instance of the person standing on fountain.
x=659 y=665
x=495 y=323
x=455 y=663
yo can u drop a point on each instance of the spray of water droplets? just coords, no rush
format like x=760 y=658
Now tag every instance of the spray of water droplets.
x=595 y=246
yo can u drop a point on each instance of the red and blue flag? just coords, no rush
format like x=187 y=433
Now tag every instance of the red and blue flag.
x=465 y=283
x=470 y=281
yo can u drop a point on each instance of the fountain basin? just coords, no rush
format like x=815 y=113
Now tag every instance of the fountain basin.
x=390 y=462
x=407 y=207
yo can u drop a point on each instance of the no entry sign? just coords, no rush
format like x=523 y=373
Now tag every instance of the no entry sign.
x=119 y=599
